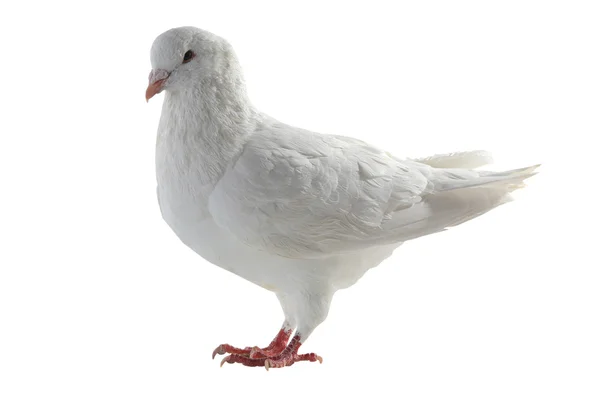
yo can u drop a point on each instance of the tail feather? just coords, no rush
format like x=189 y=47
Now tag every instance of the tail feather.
x=511 y=180
x=463 y=159
x=456 y=195
x=459 y=200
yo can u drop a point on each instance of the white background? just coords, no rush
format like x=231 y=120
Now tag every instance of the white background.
x=100 y=300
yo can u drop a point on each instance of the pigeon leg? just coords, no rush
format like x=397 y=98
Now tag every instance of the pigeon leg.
x=286 y=358
x=274 y=348
x=307 y=314
x=290 y=355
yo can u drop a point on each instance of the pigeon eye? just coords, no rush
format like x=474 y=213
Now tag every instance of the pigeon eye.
x=188 y=56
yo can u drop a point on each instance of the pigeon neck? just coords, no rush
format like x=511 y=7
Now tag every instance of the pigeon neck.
x=211 y=121
x=213 y=108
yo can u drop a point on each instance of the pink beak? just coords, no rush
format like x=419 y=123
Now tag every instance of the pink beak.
x=156 y=81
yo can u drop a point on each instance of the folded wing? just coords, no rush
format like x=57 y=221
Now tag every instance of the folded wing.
x=304 y=195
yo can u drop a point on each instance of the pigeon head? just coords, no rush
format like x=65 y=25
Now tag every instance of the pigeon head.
x=183 y=57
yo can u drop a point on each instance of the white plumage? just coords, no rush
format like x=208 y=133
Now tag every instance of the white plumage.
x=299 y=213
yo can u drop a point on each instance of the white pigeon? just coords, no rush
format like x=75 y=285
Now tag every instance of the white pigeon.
x=298 y=213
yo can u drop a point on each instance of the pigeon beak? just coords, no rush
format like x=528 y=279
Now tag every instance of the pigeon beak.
x=156 y=82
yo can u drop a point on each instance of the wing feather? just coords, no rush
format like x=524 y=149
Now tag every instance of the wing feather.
x=300 y=194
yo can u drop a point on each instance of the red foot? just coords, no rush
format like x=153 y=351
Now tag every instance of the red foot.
x=249 y=352
x=286 y=358
x=272 y=350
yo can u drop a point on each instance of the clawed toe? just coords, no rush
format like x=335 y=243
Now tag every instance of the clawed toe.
x=286 y=360
x=225 y=348
x=248 y=362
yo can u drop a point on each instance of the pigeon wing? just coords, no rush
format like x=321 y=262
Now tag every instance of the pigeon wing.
x=300 y=194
